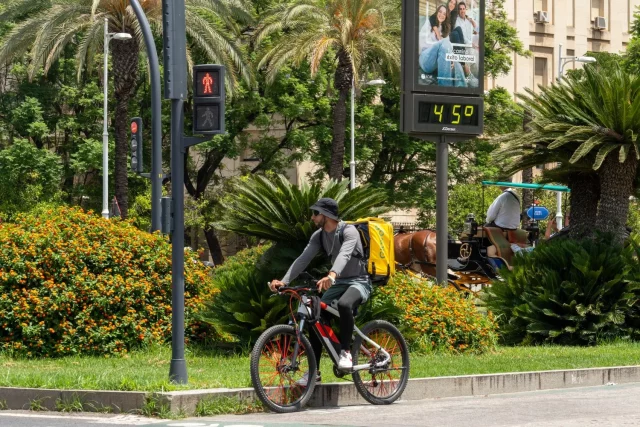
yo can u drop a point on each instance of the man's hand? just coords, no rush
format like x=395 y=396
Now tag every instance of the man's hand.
x=275 y=284
x=323 y=284
x=326 y=282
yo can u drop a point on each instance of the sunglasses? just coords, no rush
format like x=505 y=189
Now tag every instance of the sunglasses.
x=315 y=212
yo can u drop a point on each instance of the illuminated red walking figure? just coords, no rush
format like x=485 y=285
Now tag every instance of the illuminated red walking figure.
x=207 y=81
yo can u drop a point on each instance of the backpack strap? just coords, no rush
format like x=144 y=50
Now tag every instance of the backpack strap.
x=356 y=253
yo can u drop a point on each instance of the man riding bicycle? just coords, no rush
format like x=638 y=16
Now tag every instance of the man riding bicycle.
x=347 y=280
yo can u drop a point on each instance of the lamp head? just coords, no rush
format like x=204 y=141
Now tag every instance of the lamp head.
x=122 y=36
x=376 y=82
x=586 y=59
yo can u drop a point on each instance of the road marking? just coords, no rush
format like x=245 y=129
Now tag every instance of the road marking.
x=132 y=420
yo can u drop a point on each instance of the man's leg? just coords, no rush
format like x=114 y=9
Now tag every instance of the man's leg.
x=349 y=300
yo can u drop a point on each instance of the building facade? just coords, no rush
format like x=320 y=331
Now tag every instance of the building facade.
x=580 y=26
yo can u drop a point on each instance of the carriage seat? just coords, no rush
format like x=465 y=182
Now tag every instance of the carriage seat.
x=503 y=246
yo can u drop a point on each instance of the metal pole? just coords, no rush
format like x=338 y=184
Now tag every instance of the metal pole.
x=105 y=132
x=352 y=164
x=558 y=194
x=156 y=117
x=178 y=368
x=442 y=210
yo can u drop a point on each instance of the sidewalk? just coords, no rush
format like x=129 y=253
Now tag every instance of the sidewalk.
x=332 y=394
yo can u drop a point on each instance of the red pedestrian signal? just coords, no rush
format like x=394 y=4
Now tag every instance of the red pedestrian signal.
x=207 y=82
x=208 y=99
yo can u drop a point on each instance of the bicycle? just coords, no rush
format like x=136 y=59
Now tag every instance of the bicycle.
x=282 y=354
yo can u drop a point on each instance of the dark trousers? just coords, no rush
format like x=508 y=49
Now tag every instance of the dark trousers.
x=346 y=305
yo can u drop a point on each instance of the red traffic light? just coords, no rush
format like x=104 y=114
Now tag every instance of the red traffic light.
x=134 y=127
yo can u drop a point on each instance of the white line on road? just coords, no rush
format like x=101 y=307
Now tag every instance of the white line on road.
x=132 y=420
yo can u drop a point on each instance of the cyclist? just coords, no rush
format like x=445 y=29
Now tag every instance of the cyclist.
x=347 y=280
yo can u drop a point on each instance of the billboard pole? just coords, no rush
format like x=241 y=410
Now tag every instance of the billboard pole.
x=442 y=209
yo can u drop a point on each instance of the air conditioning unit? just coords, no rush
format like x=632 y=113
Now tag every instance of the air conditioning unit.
x=541 y=17
x=600 y=23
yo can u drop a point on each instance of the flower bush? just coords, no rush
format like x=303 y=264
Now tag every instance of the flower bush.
x=72 y=282
x=434 y=318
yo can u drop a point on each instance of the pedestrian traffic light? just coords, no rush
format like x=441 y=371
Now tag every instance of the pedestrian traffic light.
x=136 y=145
x=208 y=99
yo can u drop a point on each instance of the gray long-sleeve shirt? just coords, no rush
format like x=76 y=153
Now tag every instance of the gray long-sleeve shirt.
x=344 y=264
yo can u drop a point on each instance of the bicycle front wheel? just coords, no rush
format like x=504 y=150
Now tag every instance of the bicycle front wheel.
x=276 y=377
x=386 y=379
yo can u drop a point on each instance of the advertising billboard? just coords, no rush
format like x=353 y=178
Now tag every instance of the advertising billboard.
x=443 y=66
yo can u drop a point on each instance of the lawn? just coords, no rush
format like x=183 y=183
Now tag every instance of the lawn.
x=148 y=370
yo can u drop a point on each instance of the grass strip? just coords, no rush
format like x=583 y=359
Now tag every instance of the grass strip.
x=148 y=370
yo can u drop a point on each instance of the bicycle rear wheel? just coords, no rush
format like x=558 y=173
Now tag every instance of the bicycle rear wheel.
x=275 y=376
x=384 y=384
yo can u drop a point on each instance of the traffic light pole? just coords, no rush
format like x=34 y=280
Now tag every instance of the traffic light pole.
x=178 y=369
x=175 y=88
x=156 y=117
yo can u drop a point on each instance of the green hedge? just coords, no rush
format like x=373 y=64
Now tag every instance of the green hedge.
x=72 y=282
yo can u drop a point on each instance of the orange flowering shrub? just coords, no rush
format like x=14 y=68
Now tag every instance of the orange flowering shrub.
x=72 y=282
x=434 y=318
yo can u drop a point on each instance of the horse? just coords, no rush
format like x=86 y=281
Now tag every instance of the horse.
x=416 y=251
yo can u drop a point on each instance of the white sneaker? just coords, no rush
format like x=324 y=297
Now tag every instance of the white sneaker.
x=345 y=361
x=305 y=379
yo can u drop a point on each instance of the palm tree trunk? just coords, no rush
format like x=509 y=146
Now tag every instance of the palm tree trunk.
x=527 y=174
x=343 y=79
x=125 y=75
x=616 y=185
x=585 y=193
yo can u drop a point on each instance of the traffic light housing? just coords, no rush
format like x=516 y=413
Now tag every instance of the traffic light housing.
x=208 y=99
x=136 y=145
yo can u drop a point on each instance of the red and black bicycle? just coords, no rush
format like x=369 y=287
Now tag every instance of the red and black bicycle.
x=283 y=355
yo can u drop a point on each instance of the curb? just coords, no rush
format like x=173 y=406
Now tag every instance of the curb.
x=332 y=394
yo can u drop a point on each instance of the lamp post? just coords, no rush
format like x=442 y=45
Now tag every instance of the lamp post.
x=352 y=163
x=105 y=133
x=562 y=61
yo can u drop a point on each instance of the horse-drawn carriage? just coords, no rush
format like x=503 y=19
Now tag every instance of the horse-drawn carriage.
x=476 y=256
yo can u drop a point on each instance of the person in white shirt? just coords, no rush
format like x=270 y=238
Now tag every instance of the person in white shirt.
x=466 y=23
x=434 y=46
x=504 y=212
x=469 y=29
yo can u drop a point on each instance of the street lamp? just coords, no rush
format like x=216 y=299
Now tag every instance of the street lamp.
x=352 y=163
x=105 y=133
x=562 y=61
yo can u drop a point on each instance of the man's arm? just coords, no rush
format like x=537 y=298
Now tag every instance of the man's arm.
x=351 y=237
x=494 y=209
x=298 y=266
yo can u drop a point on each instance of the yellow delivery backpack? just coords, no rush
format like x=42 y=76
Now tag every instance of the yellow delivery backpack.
x=376 y=236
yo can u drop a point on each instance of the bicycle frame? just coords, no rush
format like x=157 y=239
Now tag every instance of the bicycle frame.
x=328 y=337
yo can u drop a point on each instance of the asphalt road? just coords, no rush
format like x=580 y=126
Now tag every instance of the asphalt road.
x=615 y=405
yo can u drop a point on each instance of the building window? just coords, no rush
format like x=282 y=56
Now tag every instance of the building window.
x=540 y=76
x=597 y=8
x=541 y=5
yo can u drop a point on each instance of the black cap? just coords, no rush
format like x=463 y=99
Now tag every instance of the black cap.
x=327 y=207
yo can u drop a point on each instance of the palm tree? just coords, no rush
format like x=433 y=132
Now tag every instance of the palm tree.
x=51 y=25
x=590 y=123
x=361 y=34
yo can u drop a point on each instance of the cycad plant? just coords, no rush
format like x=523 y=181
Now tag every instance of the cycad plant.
x=277 y=210
x=569 y=292
x=590 y=122
x=45 y=28
x=357 y=34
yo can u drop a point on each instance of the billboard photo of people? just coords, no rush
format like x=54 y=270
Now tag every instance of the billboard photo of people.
x=449 y=43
